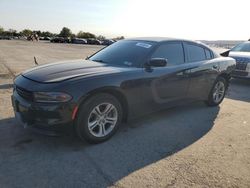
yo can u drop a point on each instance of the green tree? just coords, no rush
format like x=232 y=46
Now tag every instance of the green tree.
x=38 y=32
x=100 y=37
x=47 y=34
x=12 y=32
x=73 y=36
x=1 y=30
x=65 y=32
x=85 y=35
x=119 y=38
x=26 y=32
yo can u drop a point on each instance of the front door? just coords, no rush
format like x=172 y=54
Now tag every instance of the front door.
x=170 y=83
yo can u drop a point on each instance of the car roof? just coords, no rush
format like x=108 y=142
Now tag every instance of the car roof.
x=160 y=39
x=166 y=39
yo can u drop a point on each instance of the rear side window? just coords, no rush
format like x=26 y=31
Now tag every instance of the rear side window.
x=208 y=54
x=173 y=52
x=195 y=53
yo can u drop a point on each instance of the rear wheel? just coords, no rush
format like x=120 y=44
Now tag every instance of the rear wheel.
x=98 y=118
x=217 y=92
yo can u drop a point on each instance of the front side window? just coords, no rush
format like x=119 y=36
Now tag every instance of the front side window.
x=172 y=52
x=195 y=53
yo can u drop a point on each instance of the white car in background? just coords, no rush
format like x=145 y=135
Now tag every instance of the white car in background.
x=241 y=53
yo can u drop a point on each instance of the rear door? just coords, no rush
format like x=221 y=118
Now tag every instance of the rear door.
x=202 y=69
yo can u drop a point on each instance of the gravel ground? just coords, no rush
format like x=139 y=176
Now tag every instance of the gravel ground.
x=188 y=146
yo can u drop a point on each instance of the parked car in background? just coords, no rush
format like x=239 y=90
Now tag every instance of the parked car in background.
x=127 y=79
x=79 y=41
x=94 y=41
x=241 y=53
x=22 y=38
x=107 y=42
x=45 y=38
x=60 y=40
x=5 y=38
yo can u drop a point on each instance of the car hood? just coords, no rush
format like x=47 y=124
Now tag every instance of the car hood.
x=242 y=57
x=61 y=71
x=239 y=54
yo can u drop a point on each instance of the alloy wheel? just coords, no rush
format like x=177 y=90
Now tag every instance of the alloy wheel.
x=102 y=119
x=219 y=91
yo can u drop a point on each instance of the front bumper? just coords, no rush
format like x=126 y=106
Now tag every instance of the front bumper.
x=49 y=119
x=240 y=74
x=242 y=70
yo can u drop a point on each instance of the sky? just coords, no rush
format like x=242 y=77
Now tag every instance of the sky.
x=190 y=19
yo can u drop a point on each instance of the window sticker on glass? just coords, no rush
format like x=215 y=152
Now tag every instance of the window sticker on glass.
x=127 y=63
x=144 y=45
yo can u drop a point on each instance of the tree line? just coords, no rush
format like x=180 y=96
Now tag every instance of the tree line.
x=65 y=32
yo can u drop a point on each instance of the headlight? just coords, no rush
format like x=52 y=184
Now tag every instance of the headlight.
x=51 y=97
x=248 y=67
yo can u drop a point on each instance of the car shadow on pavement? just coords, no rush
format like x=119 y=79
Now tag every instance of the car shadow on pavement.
x=30 y=159
x=239 y=90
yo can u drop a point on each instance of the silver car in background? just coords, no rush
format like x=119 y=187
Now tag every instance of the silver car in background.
x=241 y=53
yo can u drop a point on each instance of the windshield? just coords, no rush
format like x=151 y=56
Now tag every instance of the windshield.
x=243 y=47
x=124 y=53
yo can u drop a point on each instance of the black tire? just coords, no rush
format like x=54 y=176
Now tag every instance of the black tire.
x=81 y=124
x=210 y=101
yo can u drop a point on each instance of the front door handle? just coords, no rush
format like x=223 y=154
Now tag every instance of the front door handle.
x=215 y=66
x=183 y=73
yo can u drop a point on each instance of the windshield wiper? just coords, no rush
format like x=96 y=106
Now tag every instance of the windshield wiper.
x=99 y=60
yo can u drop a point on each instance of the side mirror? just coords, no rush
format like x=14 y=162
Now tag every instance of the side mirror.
x=225 y=54
x=157 y=62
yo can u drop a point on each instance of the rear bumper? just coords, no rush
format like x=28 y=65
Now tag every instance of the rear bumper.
x=49 y=119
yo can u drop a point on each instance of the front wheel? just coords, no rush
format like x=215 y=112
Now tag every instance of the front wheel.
x=217 y=92
x=98 y=118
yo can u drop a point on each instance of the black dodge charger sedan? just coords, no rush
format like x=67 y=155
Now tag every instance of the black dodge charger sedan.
x=126 y=79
